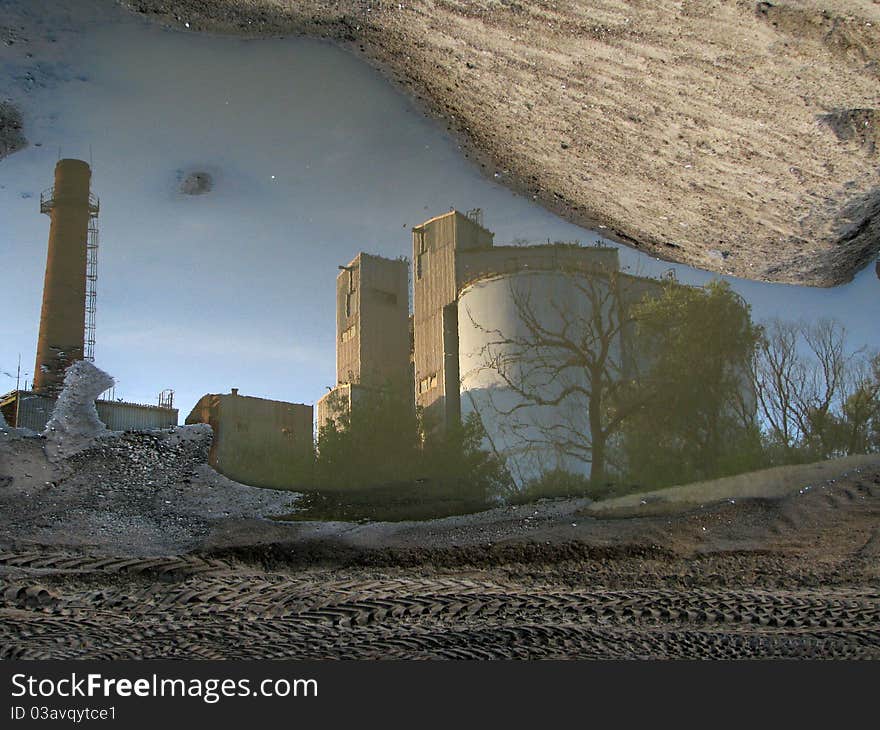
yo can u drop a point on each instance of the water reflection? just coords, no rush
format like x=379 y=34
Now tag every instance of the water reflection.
x=226 y=210
x=601 y=382
x=355 y=166
x=607 y=377
x=548 y=371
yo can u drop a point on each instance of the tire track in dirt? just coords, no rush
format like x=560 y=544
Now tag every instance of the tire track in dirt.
x=213 y=609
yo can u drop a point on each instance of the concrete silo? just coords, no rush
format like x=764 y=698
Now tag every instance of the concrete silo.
x=68 y=301
x=528 y=388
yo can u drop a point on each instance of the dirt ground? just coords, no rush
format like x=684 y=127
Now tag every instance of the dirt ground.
x=735 y=136
x=135 y=548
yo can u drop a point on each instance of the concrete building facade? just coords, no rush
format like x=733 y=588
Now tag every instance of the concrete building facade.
x=372 y=332
x=438 y=245
x=337 y=402
x=450 y=252
x=377 y=343
x=372 y=309
x=256 y=441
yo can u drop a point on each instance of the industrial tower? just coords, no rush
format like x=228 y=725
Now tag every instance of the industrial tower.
x=372 y=332
x=67 y=318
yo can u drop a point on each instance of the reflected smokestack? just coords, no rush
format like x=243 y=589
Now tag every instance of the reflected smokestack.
x=62 y=320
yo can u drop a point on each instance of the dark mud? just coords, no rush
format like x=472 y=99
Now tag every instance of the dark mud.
x=598 y=604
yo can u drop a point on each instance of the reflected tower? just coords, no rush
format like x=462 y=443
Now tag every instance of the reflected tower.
x=67 y=316
x=372 y=333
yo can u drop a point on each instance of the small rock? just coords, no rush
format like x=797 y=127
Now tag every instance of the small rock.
x=197 y=183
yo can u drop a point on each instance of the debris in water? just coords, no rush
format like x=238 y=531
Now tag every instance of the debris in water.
x=197 y=183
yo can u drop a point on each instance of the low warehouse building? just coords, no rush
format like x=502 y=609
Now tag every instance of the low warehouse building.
x=27 y=409
x=257 y=441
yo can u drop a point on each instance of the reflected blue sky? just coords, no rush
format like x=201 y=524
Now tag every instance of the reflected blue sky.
x=315 y=157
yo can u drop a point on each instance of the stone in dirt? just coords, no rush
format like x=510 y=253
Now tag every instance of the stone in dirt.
x=855 y=125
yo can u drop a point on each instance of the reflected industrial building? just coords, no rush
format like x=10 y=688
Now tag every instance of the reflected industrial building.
x=468 y=321
x=462 y=281
x=373 y=347
x=256 y=441
x=523 y=335
x=454 y=342
x=475 y=307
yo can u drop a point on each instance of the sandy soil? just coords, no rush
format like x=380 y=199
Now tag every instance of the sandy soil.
x=735 y=136
x=135 y=548
x=777 y=482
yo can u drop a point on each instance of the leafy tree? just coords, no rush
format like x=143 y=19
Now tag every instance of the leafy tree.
x=379 y=442
x=376 y=441
x=856 y=429
x=697 y=418
x=456 y=463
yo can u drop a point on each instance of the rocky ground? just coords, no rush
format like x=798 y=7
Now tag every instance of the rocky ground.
x=135 y=548
x=140 y=494
x=736 y=136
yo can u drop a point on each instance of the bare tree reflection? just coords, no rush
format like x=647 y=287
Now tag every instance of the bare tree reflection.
x=817 y=399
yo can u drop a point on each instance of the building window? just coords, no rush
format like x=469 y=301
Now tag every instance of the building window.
x=352 y=287
x=421 y=253
x=427 y=383
x=347 y=334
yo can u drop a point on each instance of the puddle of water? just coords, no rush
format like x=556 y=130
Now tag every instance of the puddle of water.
x=395 y=503
x=312 y=157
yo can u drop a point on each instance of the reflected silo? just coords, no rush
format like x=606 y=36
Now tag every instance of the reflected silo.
x=62 y=339
x=509 y=326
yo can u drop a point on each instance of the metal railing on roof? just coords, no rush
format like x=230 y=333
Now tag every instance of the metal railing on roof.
x=48 y=201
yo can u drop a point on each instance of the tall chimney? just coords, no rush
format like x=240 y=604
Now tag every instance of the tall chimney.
x=62 y=320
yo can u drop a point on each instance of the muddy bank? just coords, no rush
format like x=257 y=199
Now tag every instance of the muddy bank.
x=134 y=548
x=765 y=579
x=713 y=134
x=825 y=518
